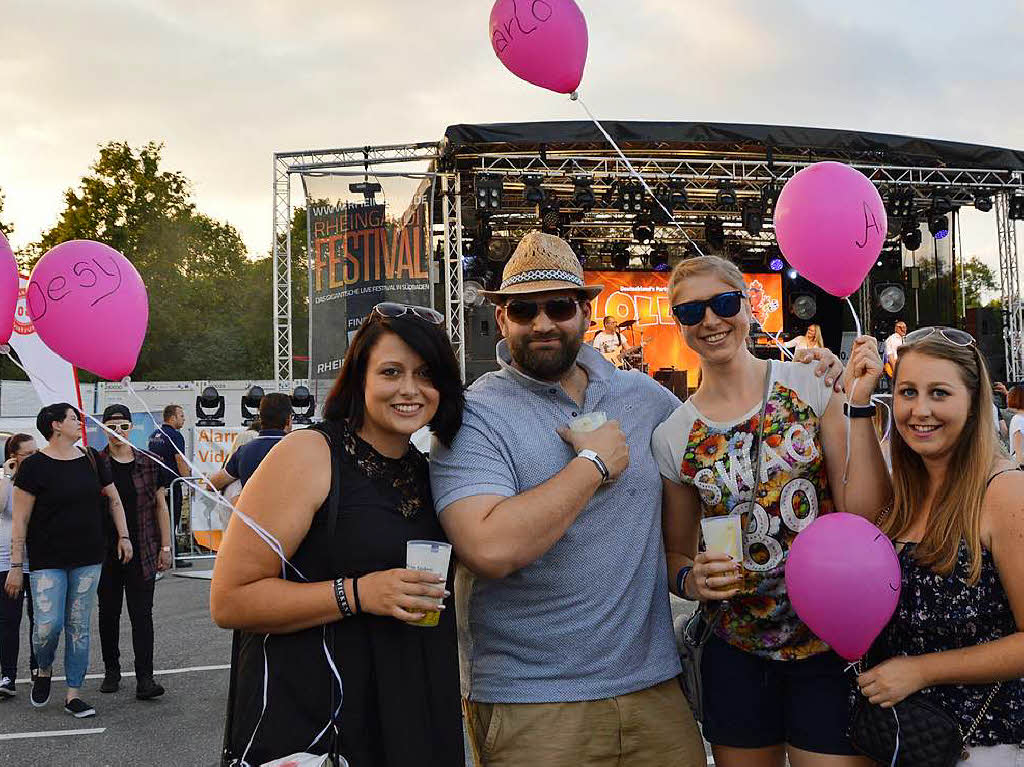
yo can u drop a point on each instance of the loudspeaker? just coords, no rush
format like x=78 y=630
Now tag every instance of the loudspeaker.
x=986 y=325
x=673 y=380
x=482 y=336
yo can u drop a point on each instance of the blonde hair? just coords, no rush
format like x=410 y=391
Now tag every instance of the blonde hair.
x=817 y=336
x=956 y=508
x=726 y=271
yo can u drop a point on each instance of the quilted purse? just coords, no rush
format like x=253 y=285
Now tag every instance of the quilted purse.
x=924 y=735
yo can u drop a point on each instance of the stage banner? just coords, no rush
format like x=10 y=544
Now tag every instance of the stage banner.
x=209 y=518
x=641 y=299
x=359 y=257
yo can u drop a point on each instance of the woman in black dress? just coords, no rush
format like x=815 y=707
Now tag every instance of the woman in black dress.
x=957 y=521
x=346 y=604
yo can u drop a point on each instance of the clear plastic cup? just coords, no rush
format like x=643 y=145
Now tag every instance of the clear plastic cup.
x=589 y=421
x=724 y=534
x=432 y=556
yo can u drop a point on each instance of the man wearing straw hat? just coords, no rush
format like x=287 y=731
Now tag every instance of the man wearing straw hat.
x=569 y=654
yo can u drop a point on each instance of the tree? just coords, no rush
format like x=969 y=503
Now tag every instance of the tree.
x=5 y=229
x=977 y=277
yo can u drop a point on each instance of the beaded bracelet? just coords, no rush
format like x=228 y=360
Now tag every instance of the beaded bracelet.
x=342 y=600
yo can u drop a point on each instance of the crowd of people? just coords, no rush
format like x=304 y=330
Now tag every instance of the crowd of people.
x=574 y=495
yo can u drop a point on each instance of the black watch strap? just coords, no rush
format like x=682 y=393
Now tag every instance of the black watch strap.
x=858 y=411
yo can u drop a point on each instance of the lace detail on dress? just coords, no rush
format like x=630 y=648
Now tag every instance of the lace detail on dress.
x=407 y=475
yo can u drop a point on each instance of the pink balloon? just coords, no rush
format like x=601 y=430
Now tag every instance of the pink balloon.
x=89 y=304
x=542 y=41
x=830 y=223
x=8 y=289
x=843 y=579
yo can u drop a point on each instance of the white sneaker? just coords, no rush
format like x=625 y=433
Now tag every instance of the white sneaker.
x=7 y=687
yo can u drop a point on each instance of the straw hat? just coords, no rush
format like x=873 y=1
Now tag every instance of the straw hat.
x=542 y=262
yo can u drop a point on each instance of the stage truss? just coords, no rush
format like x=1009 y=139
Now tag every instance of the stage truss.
x=755 y=177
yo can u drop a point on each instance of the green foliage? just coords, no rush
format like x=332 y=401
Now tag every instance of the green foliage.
x=5 y=229
x=977 y=277
x=210 y=306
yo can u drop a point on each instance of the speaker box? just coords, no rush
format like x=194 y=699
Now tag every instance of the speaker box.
x=482 y=336
x=673 y=380
x=986 y=325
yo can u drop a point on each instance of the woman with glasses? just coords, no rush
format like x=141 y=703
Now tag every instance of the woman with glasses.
x=333 y=656
x=58 y=513
x=772 y=689
x=956 y=638
x=17 y=448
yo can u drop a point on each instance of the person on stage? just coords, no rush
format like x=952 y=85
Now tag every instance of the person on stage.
x=772 y=689
x=809 y=340
x=956 y=638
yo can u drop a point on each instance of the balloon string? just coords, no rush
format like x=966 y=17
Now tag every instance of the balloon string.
x=576 y=97
x=856 y=319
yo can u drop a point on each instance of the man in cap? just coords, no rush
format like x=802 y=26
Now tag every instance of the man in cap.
x=141 y=484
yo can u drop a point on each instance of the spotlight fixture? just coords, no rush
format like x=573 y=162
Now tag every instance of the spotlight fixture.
x=366 y=188
x=643 y=228
x=251 y=405
x=890 y=259
x=620 y=256
x=583 y=192
x=982 y=202
x=631 y=198
x=726 y=195
x=659 y=258
x=499 y=250
x=911 y=235
x=938 y=225
x=753 y=218
x=472 y=293
x=776 y=264
x=303 y=406
x=792 y=273
x=714 y=232
x=769 y=195
x=532 y=191
x=488 y=191
x=550 y=218
x=890 y=297
x=1016 y=208
x=804 y=306
x=210 y=408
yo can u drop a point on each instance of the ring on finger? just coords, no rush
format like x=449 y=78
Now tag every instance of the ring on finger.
x=706 y=584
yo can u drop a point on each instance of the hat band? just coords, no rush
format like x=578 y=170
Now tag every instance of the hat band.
x=542 y=275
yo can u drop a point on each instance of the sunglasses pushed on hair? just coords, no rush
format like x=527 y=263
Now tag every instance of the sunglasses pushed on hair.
x=724 y=305
x=556 y=309
x=950 y=335
x=393 y=310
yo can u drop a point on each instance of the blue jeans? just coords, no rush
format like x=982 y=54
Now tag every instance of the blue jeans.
x=64 y=599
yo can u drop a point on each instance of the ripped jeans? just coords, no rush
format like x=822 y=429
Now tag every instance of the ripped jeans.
x=64 y=599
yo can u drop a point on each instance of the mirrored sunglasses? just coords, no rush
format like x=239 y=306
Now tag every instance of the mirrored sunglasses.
x=950 y=335
x=394 y=310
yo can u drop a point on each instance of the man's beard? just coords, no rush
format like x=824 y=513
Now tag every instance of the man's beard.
x=546 y=364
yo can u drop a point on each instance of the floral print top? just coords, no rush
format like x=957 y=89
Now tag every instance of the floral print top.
x=719 y=459
x=943 y=612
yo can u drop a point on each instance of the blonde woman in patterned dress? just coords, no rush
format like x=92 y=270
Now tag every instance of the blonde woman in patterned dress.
x=771 y=688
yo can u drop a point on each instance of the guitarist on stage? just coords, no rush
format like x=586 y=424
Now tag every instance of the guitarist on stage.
x=892 y=345
x=611 y=344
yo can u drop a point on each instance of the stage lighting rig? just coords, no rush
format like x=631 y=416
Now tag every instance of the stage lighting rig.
x=631 y=198
x=583 y=192
x=643 y=228
x=303 y=406
x=938 y=225
x=251 y=405
x=367 y=189
x=911 y=234
x=1016 y=208
x=551 y=217
x=499 y=250
x=726 y=195
x=532 y=191
x=714 y=232
x=803 y=306
x=210 y=408
x=890 y=297
x=982 y=202
x=753 y=218
x=488 y=191
x=620 y=256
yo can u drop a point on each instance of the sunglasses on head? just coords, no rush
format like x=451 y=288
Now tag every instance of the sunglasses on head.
x=724 y=305
x=556 y=309
x=393 y=310
x=119 y=426
x=950 y=335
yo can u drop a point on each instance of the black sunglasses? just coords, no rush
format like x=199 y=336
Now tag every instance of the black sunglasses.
x=950 y=335
x=724 y=305
x=393 y=310
x=557 y=309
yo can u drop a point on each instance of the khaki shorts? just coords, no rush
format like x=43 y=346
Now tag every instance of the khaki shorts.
x=649 y=728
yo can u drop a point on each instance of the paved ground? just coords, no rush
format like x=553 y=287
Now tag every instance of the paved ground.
x=184 y=728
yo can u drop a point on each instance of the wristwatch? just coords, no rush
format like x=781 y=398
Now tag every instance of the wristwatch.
x=858 y=411
x=165 y=548
x=595 y=459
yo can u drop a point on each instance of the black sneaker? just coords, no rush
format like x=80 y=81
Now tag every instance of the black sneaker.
x=111 y=681
x=40 y=691
x=79 y=709
x=147 y=689
x=7 y=687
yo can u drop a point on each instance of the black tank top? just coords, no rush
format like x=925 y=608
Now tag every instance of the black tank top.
x=401 y=704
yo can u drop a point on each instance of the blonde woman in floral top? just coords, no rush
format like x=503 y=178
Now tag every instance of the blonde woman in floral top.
x=771 y=687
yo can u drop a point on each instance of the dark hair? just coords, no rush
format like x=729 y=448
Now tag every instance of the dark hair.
x=1015 y=398
x=14 y=442
x=170 y=410
x=275 y=410
x=346 y=399
x=52 y=414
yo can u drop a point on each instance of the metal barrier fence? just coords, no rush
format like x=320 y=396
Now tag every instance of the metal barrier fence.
x=184 y=545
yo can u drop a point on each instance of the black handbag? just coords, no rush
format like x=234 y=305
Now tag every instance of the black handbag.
x=923 y=736
x=697 y=629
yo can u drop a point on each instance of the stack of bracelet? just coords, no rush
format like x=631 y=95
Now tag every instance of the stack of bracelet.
x=339 y=595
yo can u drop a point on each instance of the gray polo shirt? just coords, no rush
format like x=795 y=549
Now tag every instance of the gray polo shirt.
x=590 y=619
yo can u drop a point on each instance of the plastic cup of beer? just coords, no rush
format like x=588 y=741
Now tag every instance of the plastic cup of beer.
x=432 y=556
x=724 y=534
x=589 y=421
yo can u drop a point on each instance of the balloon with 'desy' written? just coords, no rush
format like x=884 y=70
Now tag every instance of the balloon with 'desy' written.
x=8 y=289
x=89 y=305
x=541 y=41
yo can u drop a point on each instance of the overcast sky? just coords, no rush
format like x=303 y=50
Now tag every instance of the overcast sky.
x=225 y=83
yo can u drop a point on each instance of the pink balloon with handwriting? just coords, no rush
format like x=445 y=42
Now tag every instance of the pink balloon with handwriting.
x=542 y=41
x=89 y=304
x=843 y=579
x=8 y=289
x=830 y=224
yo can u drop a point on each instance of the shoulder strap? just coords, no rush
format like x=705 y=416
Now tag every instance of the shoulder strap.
x=998 y=474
